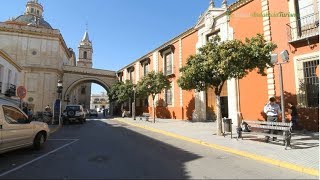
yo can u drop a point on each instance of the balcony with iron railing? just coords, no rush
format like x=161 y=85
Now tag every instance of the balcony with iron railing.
x=304 y=28
x=11 y=90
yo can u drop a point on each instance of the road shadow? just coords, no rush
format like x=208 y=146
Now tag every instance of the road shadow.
x=143 y=156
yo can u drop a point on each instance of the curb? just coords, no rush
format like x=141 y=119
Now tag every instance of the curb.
x=279 y=163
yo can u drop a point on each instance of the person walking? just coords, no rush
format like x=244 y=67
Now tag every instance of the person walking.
x=294 y=115
x=272 y=110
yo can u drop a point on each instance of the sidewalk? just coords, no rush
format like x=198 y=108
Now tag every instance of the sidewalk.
x=302 y=157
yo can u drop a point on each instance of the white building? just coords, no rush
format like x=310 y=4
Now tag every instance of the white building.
x=33 y=55
x=99 y=101
x=9 y=74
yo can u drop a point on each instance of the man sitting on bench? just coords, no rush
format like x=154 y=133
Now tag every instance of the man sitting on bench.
x=272 y=110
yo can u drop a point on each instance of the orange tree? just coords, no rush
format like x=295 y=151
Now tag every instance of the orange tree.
x=121 y=92
x=219 y=61
x=152 y=84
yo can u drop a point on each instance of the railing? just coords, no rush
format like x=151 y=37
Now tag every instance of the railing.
x=0 y=87
x=304 y=27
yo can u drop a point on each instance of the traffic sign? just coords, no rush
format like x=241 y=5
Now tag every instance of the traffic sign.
x=21 y=92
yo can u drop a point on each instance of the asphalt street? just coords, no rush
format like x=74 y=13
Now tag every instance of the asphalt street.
x=108 y=149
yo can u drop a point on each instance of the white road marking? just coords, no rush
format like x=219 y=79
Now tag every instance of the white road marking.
x=23 y=165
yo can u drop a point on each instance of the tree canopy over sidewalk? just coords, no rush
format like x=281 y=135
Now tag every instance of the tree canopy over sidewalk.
x=219 y=61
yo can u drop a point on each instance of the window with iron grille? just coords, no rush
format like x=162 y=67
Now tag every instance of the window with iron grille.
x=168 y=96
x=168 y=63
x=311 y=83
x=145 y=69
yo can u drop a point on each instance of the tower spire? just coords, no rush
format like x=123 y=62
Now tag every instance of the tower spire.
x=211 y=4
x=224 y=4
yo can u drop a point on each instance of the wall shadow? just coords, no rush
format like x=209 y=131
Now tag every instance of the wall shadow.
x=308 y=117
x=162 y=110
x=190 y=109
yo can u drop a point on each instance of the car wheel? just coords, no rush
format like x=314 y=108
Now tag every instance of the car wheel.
x=39 y=141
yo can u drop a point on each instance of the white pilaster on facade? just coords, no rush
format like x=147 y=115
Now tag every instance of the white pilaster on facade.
x=268 y=38
x=180 y=66
x=155 y=61
x=137 y=72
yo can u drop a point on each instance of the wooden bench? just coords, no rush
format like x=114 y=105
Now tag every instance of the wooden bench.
x=281 y=130
x=145 y=115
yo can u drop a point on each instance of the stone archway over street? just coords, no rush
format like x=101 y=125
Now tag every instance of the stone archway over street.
x=74 y=76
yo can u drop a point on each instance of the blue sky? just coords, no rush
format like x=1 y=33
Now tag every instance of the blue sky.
x=121 y=30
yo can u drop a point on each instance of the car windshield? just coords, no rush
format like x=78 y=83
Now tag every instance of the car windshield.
x=75 y=108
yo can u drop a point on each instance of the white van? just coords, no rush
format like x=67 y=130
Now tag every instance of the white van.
x=16 y=129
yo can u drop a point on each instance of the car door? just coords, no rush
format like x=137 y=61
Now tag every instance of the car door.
x=16 y=130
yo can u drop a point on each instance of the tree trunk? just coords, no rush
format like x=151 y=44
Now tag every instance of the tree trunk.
x=130 y=106
x=154 y=109
x=218 y=112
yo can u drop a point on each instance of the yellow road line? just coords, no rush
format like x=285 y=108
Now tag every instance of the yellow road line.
x=279 y=163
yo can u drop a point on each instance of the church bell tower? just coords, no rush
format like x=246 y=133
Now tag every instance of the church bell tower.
x=85 y=52
x=85 y=61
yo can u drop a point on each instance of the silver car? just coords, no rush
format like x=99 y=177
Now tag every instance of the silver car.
x=17 y=131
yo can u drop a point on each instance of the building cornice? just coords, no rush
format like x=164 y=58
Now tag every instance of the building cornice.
x=10 y=60
x=42 y=69
x=92 y=72
x=238 y=4
x=27 y=30
x=170 y=42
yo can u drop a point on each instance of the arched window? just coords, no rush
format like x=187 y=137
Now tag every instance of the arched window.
x=85 y=54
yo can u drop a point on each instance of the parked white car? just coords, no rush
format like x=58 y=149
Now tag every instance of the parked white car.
x=73 y=113
x=18 y=131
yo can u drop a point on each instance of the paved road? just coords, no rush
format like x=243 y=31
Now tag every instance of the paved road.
x=108 y=149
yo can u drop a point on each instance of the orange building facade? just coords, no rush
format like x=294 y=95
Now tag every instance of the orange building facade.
x=173 y=103
x=292 y=25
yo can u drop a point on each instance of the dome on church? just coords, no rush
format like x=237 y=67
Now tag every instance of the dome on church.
x=33 y=20
x=32 y=16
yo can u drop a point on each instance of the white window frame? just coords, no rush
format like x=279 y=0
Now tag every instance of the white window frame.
x=299 y=77
x=164 y=53
x=172 y=96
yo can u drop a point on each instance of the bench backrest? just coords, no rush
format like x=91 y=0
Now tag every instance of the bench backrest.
x=270 y=125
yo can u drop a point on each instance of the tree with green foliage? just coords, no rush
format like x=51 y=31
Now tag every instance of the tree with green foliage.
x=121 y=92
x=152 y=84
x=219 y=61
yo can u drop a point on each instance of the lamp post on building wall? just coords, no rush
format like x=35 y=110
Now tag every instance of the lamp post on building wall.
x=57 y=105
x=274 y=59
x=59 y=89
x=134 y=104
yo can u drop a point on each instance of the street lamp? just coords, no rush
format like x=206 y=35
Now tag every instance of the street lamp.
x=274 y=59
x=57 y=105
x=59 y=89
x=134 y=104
